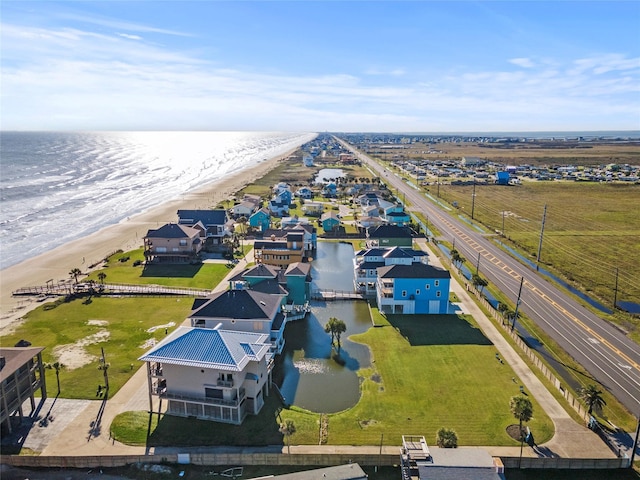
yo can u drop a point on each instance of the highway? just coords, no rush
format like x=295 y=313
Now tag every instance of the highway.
x=604 y=351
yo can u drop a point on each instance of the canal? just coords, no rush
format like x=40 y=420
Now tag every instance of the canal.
x=307 y=373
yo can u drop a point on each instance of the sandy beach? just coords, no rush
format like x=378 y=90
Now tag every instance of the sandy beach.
x=127 y=235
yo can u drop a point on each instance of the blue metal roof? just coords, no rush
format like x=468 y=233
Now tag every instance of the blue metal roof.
x=209 y=348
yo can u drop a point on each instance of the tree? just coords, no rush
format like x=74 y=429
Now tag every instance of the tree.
x=75 y=273
x=447 y=438
x=336 y=328
x=478 y=281
x=243 y=224
x=456 y=258
x=592 y=397
x=57 y=366
x=287 y=428
x=522 y=409
x=101 y=277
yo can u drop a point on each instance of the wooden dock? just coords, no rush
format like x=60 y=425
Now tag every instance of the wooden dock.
x=70 y=288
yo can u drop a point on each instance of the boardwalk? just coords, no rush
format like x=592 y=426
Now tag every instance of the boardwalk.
x=67 y=288
x=329 y=295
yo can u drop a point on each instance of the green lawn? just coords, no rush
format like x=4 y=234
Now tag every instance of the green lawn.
x=428 y=372
x=119 y=325
x=204 y=275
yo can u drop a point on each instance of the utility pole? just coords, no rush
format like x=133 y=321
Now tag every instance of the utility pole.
x=478 y=264
x=503 y=223
x=473 y=198
x=615 y=291
x=544 y=217
x=515 y=314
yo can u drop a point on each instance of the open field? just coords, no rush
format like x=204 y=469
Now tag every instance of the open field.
x=74 y=333
x=591 y=232
x=409 y=388
x=532 y=153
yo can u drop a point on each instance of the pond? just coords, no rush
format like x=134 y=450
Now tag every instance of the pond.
x=307 y=374
x=327 y=174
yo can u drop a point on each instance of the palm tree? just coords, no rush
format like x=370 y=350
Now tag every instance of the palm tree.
x=287 y=428
x=57 y=366
x=447 y=438
x=522 y=409
x=336 y=328
x=592 y=397
x=101 y=277
x=478 y=281
x=75 y=273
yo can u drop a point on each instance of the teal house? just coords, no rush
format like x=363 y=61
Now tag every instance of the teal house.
x=260 y=220
x=329 y=221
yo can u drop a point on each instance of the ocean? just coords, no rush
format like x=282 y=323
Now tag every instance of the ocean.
x=56 y=187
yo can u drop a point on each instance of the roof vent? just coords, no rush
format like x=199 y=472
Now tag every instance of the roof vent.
x=262 y=303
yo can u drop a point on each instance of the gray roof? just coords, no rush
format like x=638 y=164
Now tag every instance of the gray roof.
x=240 y=304
x=456 y=473
x=16 y=357
x=416 y=270
x=352 y=471
x=209 y=348
x=173 y=230
x=389 y=231
x=207 y=217
x=298 y=269
x=261 y=270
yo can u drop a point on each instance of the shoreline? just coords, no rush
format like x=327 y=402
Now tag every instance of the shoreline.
x=126 y=235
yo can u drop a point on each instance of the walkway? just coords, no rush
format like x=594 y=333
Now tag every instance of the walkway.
x=87 y=433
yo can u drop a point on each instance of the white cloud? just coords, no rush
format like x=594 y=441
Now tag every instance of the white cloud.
x=130 y=37
x=68 y=78
x=522 y=62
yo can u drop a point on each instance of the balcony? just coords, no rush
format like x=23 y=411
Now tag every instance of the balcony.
x=205 y=400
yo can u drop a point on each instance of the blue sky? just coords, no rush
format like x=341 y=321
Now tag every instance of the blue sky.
x=391 y=66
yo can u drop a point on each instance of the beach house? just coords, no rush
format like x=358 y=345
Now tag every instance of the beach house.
x=366 y=263
x=213 y=224
x=210 y=374
x=412 y=289
x=21 y=376
x=260 y=220
x=329 y=221
x=173 y=243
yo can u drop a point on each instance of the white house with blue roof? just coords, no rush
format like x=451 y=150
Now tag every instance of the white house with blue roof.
x=366 y=263
x=210 y=374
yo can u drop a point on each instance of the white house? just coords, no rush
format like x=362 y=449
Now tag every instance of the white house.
x=210 y=374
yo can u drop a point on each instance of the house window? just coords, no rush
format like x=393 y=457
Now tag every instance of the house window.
x=438 y=293
x=427 y=286
x=213 y=393
x=404 y=293
x=437 y=283
x=257 y=326
x=417 y=292
x=183 y=243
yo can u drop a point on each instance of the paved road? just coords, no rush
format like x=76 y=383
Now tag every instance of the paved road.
x=605 y=352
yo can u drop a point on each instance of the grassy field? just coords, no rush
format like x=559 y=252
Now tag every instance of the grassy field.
x=84 y=326
x=409 y=388
x=591 y=232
